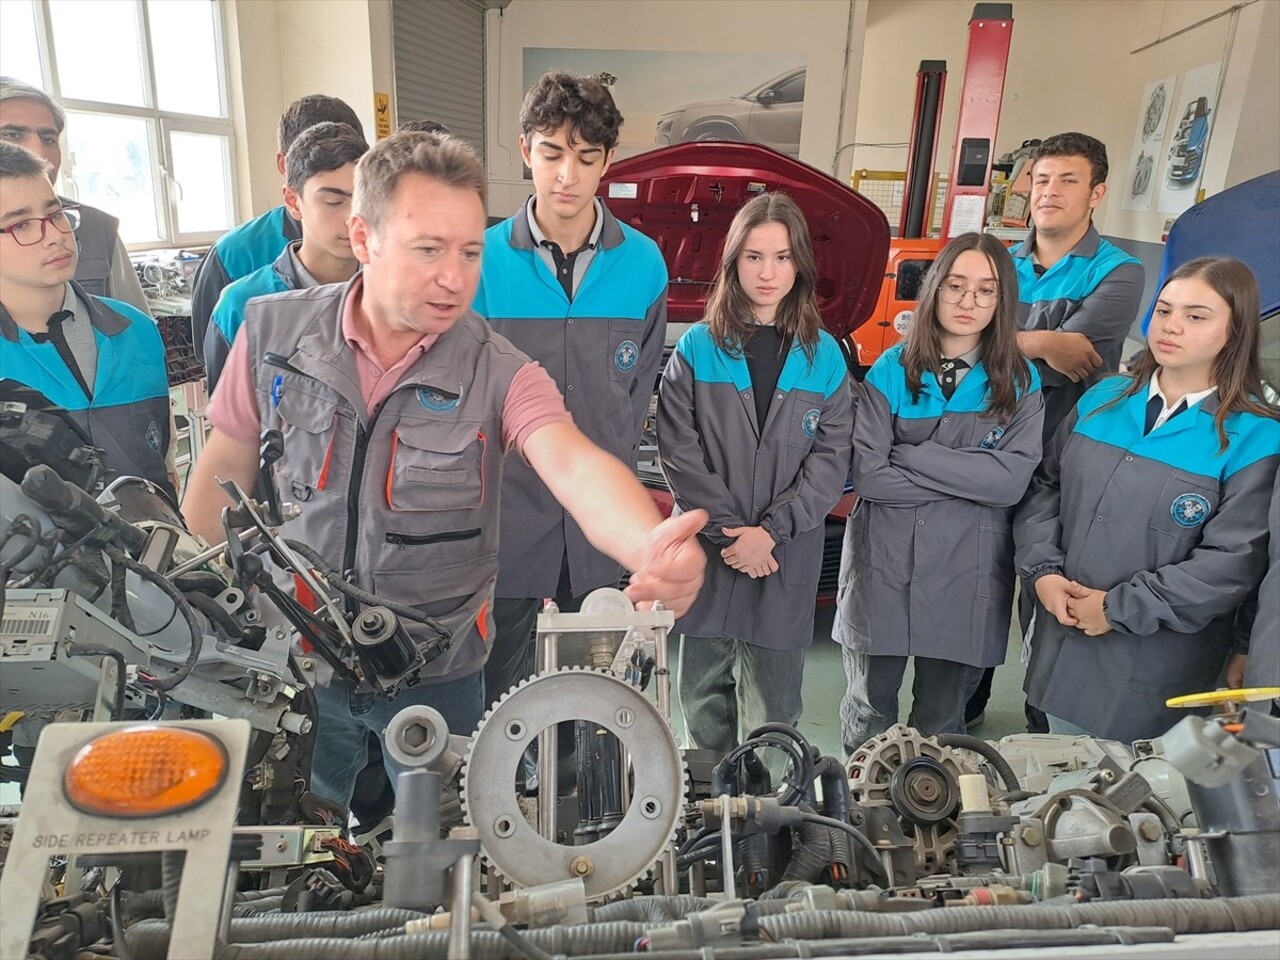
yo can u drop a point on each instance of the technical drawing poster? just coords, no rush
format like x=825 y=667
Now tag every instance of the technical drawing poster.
x=1184 y=157
x=1138 y=187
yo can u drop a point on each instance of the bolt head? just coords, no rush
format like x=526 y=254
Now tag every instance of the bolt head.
x=581 y=867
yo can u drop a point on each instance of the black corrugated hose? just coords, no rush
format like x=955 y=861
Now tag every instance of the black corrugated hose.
x=987 y=751
x=329 y=932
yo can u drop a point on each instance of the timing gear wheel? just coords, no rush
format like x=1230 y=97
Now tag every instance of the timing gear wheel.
x=510 y=844
x=916 y=777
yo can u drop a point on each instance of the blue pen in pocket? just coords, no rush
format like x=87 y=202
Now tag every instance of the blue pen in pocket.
x=276 y=390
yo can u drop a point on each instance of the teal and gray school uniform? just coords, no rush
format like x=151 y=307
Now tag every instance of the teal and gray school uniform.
x=1174 y=530
x=927 y=567
x=123 y=403
x=286 y=273
x=1095 y=290
x=1263 y=666
x=237 y=253
x=783 y=475
x=603 y=348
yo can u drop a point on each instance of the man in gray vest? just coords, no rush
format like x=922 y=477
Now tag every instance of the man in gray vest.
x=398 y=405
x=31 y=118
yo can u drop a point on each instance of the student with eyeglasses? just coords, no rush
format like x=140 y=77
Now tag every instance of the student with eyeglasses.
x=101 y=360
x=946 y=438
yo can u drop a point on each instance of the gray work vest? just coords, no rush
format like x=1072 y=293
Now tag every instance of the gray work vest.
x=405 y=498
x=96 y=237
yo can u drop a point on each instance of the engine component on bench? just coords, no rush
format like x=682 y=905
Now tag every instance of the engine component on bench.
x=910 y=775
x=1232 y=765
x=510 y=844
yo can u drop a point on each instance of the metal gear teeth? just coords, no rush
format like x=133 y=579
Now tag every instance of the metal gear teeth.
x=468 y=817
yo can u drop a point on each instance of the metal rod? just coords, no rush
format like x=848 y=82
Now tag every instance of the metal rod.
x=663 y=674
x=1198 y=23
x=726 y=847
x=460 y=911
x=548 y=786
x=204 y=556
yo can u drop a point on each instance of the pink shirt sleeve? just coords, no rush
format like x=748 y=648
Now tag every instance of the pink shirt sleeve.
x=533 y=401
x=233 y=408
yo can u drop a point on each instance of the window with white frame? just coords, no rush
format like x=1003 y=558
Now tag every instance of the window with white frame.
x=144 y=86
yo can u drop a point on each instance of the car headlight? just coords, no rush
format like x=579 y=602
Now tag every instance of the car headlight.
x=665 y=124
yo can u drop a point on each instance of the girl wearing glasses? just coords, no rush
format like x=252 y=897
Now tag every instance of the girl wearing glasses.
x=1146 y=525
x=754 y=418
x=947 y=436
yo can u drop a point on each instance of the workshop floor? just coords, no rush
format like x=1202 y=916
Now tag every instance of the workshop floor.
x=824 y=685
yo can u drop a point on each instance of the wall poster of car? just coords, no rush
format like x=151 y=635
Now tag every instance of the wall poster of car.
x=1185 y=154
x=672 y=96
x=1138 y=187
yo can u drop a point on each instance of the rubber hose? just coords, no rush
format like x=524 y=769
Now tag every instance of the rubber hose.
x=173 y=593
x=216 y=613
x=650 y=909
x=973 y=944
x=152 y=936
x=1182 y=916
x=257 y=908
x=988 y=752
x=357 y=594
x=584 y=940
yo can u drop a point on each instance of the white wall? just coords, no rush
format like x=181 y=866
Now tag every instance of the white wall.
x=828 y=32
x=1072 y=67
x=280 y=50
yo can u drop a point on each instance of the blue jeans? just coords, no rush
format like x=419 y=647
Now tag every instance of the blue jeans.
x=719 y=707
x=870 y=705
x=346 y=717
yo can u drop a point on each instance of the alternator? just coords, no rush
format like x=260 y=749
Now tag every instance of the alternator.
x=918 y=780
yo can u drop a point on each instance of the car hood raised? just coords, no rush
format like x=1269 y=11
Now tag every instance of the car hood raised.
x=684 y=197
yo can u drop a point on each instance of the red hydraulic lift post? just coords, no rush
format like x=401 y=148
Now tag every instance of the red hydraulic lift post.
x=990 y=30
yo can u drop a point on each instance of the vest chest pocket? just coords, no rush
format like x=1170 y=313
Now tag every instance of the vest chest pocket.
x=987 y=434
x=436 y=467
x=1185 y=504
x=309 y=426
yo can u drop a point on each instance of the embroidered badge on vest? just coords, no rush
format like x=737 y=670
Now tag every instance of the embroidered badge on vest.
x=626 y=356
x=1189 y=510
x=992 y=439
x=809 y=422
x=437 y=401
x=152 y=436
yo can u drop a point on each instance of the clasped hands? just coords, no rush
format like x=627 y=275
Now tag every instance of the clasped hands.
x=751 y=551
x=1073 y=604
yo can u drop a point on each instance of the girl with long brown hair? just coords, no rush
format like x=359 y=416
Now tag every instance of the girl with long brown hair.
x=754 y=422
x=1146 y=525
x=947 y=436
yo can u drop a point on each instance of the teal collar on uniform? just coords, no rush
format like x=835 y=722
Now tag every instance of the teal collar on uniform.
x=107 y=321
x=1087 y=246
x=1136 y=405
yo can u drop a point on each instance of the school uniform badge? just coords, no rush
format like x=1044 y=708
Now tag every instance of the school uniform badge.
x=152 y=437
x=809 y=423
x=437 y=401
x=992 y=439
x=1189 y=510
x=626 y=356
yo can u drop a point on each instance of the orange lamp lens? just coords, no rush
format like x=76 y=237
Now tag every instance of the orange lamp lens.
x=145 y=771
